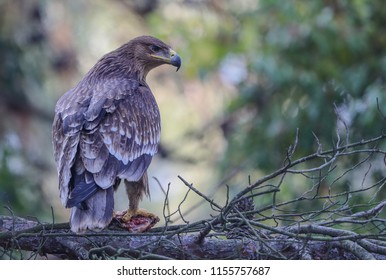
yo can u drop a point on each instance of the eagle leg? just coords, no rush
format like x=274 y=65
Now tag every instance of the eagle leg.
x=135 y=219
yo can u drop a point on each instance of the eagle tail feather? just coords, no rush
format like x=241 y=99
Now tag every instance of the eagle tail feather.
x=97 y=214
x=81 y=192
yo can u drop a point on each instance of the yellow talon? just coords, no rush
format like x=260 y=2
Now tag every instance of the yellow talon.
x=135 y=213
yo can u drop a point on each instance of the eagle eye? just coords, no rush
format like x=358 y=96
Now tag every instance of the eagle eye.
x=154 y=48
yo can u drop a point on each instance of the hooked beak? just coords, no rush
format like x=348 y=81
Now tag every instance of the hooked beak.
x=175 y=59
x=172 y=59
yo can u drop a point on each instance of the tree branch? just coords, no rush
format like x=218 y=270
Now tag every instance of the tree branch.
x=327 y=217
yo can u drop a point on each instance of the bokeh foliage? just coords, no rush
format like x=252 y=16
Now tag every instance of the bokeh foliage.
x=22 y=66
x=312 y=65
x=306 y=65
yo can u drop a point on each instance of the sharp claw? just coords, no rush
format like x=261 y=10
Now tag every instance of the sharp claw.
x=128 y=215
x=136 y=220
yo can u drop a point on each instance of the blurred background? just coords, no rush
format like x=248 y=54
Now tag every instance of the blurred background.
x=252 y=73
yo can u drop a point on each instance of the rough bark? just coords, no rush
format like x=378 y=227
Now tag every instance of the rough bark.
x=57 y=240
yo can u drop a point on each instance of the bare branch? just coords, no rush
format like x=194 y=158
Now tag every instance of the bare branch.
x=313 y=207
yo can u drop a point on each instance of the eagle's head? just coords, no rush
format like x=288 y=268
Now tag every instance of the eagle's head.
x=135 y=59
x=147 y=52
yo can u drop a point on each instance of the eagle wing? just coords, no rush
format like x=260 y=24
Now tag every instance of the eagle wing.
x=101 y=134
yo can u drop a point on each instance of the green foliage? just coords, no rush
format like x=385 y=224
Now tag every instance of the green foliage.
x=314 y=62
x=22 y=57
x=305 y=61
x=19 y=193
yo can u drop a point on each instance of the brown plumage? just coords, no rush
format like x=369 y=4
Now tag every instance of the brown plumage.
x=107 y=129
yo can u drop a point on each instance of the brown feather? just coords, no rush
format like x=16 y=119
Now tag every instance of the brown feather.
x=107 y=128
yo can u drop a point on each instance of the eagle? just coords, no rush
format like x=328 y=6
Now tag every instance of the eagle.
x=106 y=130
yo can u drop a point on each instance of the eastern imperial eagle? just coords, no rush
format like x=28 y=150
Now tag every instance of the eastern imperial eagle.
x=107 y=129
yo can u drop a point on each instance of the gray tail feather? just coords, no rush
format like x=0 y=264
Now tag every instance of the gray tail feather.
x=98 y=213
